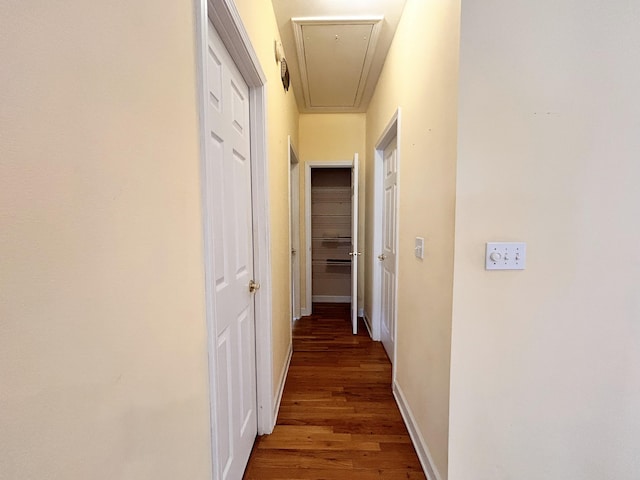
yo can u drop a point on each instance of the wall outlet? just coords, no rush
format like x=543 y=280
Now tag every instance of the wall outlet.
x=506 y=256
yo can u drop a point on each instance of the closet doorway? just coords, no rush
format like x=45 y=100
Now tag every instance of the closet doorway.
x=294 y=229
x=331 y=212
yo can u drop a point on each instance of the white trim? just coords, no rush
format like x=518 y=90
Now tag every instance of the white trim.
x=294 y=240
x=298 y=22
x=305 y=312
x=331 y=299
x=340 y=19
x=307 y=221
x=421 y=447
x=374 y=263
x=227 y=22
x=361 y=312
x=367 y=322
x=391 y=131
x=262 y=262
x=281 y=382
x=355 y=181
x=295 y=158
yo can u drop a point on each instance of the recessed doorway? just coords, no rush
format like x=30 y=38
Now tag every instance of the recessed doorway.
x=331 y=213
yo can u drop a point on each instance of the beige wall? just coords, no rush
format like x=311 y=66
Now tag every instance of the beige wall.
x=103 y=360
x=546 y=361
x=282 y=121
x=331 y=137
x=420 y=76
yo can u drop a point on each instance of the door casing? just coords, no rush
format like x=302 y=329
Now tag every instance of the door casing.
x=391 y=131
x=294 y=228
x=307 y=220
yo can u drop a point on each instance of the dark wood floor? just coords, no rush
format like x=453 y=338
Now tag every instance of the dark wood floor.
x=338 y=418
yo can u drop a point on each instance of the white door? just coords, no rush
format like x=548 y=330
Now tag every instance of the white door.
x=389 y=247
x=294 y=224
x=354 y=245
x=230 y=260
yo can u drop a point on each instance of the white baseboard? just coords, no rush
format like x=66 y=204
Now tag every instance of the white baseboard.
x=426 y=460
x=331 y=299
x=361 y=312
x=281 y=382
x=305 y=312
x=367 y=323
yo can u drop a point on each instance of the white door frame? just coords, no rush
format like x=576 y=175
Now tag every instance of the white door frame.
x=355 y=253
x=307 y=218
x=227 y=22
x=294 y=230
x=391 y=131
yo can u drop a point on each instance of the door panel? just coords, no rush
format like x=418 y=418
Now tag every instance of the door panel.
x=389 y=248
x=225 y=401
x=247 y=398
x=354 y=245
x=228 y=201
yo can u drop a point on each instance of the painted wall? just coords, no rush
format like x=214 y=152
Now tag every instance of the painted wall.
x=103 y=363
x=282 y=120
x=422 y=81
x=331 y=137
x=545 y=378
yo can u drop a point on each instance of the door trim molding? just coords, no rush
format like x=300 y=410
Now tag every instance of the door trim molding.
x=307 y=219
x=391 y=131
x=294 y=230
x=226 y=20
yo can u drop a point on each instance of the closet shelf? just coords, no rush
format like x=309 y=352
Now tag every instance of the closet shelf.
x=333 y=262
x=333 y=239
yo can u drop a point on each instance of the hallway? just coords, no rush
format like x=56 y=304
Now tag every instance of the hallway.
x=338 y=418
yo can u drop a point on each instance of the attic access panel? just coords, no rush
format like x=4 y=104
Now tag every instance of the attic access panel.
x=335 y=56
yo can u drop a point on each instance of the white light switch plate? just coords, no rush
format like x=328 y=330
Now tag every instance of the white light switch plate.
x=419 y=248
x=506 y=256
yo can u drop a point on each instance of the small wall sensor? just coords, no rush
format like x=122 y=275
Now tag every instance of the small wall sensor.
x=278 y=50
x=419 y=247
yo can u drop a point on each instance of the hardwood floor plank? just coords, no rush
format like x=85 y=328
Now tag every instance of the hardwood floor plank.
x=316 y=474
x=342 y=460
x=338 y=418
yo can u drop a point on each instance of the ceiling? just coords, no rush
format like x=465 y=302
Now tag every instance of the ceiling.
x=335 y=49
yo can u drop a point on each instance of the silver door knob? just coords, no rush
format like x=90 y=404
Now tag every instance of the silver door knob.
x=253 y=286
x=381 y=257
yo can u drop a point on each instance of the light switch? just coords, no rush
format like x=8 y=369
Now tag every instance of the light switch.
x=505 y=256
x=419 y=248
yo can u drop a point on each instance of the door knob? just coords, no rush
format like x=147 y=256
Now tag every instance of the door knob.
x=381 y=257
x=253 y=286
x=293 y=251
